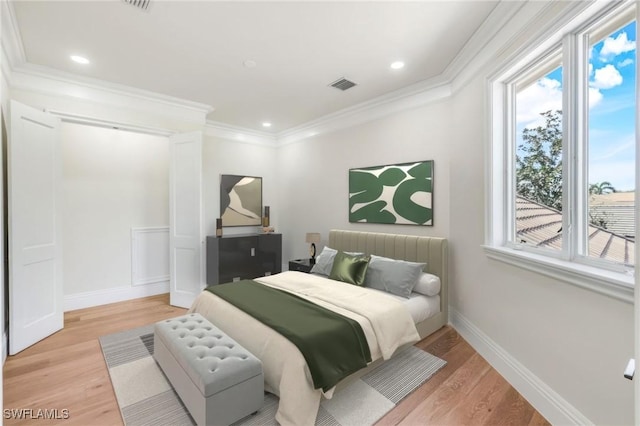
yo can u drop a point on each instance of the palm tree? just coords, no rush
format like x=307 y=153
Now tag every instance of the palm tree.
x=599 y=188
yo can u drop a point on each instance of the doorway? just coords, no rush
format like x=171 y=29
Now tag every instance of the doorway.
x=114 y=181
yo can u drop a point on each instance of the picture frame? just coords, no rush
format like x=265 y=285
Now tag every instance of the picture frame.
x=240 y=200
x=392 y=194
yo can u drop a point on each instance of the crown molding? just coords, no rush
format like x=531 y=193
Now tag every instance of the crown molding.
x=5 y=67
x=239 y=134
x=11 y=38
x=48 y=81
x=475 y=53
x=21 y=75
x=464 y=66
x=521 y=24
x=413 y=96
x=109 y=124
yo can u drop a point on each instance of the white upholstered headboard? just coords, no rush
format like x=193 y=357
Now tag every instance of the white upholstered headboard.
x=432 y=250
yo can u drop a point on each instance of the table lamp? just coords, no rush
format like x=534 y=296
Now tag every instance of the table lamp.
x=313 y=238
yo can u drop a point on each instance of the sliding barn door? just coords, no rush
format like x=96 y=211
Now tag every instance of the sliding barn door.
x=186 y=241
x=35 y=249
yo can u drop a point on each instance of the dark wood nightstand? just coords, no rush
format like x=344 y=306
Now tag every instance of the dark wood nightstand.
x=302 y=265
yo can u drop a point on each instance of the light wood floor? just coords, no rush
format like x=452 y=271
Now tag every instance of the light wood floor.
x=67 y=371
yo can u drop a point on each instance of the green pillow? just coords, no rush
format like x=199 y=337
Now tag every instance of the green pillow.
x=349 y=268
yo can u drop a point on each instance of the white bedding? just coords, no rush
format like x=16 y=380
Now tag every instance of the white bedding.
x=385 y=321
x=421 y=307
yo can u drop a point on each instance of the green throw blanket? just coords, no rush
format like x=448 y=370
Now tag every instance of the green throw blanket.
x=333 y=345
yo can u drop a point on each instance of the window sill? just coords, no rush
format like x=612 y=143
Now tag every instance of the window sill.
x=613 y=284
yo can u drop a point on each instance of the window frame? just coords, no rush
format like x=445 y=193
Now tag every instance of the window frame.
x=572 y=263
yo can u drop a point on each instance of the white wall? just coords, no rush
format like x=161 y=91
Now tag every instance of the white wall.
x=113 y=180
x=573 y=340
x=224 y=156
x=4 y=102
x=313 y=180
x=576 y=341
x=4 y=105
x=568 y=346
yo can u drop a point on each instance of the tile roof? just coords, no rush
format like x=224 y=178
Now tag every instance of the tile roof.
x=619 y=219
x=542 y=226
x=613 y=199
x=616 y=209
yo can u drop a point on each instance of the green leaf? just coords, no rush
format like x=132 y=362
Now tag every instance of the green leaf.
x=373 y=213
x=391 y=176
x=405 y=207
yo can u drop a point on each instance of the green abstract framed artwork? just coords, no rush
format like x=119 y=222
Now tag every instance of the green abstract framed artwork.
x=397 y=193
x=240 y=200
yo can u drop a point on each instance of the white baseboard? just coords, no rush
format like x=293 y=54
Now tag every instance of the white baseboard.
x=111 y=295
x=544 y=399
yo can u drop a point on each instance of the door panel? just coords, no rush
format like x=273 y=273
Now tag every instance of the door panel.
x=35 y=268
x=186 y=241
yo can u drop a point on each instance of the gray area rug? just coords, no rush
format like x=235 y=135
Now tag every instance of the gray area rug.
x=145 y=396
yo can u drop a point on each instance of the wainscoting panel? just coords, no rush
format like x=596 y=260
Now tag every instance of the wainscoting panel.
x=149 y=255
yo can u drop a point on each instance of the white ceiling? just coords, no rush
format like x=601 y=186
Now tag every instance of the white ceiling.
x=195 y=50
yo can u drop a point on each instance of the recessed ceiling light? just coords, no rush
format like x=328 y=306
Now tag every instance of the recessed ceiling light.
x=266 y=124
x=79 y=59
x=397 y=65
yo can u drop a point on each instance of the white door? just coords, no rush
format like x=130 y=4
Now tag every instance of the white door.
x=186 y=241
x=35 y=249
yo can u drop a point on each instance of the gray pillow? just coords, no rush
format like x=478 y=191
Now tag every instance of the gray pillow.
x=324 y=262
x=397 y=277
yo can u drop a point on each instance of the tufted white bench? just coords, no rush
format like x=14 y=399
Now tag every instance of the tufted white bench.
x=218 y=380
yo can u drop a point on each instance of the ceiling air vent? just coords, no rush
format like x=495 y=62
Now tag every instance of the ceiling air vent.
x=342 y=84
x=140 y=4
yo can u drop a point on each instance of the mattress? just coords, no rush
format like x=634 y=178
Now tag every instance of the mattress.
x=420 y=307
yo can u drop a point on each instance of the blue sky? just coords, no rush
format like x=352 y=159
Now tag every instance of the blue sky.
x=611 y=120
x=612 y=107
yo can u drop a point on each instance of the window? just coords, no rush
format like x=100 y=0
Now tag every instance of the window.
x=563 y=161
x=611 y=144
x=538 y=157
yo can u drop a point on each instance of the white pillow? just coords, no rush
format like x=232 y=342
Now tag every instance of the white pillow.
x=324 y=262
x=428 y=284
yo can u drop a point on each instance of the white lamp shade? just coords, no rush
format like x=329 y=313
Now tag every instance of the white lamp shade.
x=313 y=238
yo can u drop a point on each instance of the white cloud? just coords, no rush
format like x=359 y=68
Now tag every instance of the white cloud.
x=615 y=46
x=606 y=77
x=595 y=96
x=625 y=63
x=544 y=95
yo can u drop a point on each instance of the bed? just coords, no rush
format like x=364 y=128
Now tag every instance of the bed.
x=285 y=369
